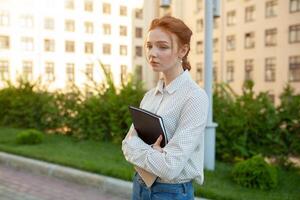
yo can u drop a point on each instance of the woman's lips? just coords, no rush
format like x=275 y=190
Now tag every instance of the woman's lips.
x=153 y=63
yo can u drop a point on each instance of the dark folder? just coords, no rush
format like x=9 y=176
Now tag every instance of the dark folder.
x=148 y=125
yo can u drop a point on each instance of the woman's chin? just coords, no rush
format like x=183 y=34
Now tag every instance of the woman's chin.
x=155 y=68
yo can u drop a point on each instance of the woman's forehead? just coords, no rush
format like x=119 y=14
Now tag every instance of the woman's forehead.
x=160 y=35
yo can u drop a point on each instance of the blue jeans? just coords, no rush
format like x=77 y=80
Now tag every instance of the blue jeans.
x=161 y=191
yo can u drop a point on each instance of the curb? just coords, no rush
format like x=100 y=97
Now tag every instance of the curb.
x=104 y=183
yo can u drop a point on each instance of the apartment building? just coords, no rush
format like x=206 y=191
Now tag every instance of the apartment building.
x=61 y=42
x=252 y=39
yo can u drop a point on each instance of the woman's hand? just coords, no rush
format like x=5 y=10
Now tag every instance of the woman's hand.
x=156 y=145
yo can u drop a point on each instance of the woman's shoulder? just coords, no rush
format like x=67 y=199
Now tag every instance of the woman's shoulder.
x=195 y=93
x=194 y=89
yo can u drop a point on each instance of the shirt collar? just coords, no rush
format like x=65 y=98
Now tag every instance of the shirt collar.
x=174 y=85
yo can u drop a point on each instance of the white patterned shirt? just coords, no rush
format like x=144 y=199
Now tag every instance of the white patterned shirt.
x=183 y=105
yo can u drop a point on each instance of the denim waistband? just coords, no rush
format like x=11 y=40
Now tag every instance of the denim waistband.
x=163 y=187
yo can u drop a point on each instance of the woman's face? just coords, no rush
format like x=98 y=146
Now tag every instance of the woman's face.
x=162 y=50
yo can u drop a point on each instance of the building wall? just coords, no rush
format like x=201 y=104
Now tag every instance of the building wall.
x=193 y=11
x=14 y=10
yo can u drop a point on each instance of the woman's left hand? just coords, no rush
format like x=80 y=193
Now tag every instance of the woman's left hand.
x=156 y=145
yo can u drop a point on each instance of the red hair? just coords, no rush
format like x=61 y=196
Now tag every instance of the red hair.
x=177 y=27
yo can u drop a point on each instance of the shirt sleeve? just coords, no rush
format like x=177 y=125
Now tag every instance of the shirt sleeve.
x=186 y=139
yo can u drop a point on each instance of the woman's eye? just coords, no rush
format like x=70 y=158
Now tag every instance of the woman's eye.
x=148 y=46
x=164 y=47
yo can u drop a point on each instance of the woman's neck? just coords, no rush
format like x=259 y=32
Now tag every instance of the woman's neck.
x=170 y=75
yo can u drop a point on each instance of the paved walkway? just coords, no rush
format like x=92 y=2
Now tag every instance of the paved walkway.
x=21 y=185
x=28 y=179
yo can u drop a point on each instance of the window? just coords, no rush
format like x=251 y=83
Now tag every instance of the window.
x=272 y=98
x=270 y=69
x=88 y=27
x=249 y=40
x=49 y=69
x=248 y=69
x=216 y=23
x=199 y=5
x=4 y=42
x=27 y=70
x=26 y=21
x=123 y=50
x=249 y=14
x=70 y=72
x=139 y=72
x=199 y=73
x=215 y=44
x=231 y=18
x=88 y=5
x=123 y=11
x=294 y=33
x=107 y=68
x=123 y=74
x=123 y=30
x=49 y=45
x=271 y=8
x=4 y=73
x=215 y=74
x=139 y=13
x=230 y=43
x=294 y=68
x=294 y=6
x=27 y=43
x=69 y=4
x=89 y=71
x=199 y=47
x=4 y=18
x=70 y=25
x=69 y=46
x=199 y=25
x=138 y=32
x=106 y=29
x=138 y=51
x=88 y=47
x=106 y=49
x=106 y=9
x=271 y=37
x=230 y=71
x=49 y=23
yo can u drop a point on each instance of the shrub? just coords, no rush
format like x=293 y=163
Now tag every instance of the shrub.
x=105 y=115
x=246 y=123
x=27 y=106
x=30 y=137
x=289 y=123
x=255 y=173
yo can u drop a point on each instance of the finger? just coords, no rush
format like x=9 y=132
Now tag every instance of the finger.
x=158 y=141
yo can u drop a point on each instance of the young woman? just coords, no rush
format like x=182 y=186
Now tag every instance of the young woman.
x=183 y=105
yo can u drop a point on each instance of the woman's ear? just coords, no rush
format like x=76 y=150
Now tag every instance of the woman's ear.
x=183 y=50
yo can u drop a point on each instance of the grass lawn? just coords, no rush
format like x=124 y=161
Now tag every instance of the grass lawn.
x=107 y=159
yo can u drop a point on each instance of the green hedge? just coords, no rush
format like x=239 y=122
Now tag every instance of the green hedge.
x=248 y=124
x=101 y=116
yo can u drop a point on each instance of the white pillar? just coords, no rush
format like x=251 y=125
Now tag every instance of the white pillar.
x=210 y=131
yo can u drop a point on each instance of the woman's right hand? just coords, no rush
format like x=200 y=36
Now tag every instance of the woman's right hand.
x=157 y=146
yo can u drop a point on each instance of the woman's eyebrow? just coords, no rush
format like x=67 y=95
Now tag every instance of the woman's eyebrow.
x=158 y=42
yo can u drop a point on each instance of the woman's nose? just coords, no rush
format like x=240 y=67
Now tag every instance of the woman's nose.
x=152 y=52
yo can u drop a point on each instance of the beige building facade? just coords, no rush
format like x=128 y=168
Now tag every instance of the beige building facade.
x=61 y=42
x=252 y=39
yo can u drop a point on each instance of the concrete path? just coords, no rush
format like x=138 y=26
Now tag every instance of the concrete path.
x=21 y=185
x=28 y=179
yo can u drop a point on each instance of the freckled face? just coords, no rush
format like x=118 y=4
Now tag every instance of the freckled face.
x=162 y=50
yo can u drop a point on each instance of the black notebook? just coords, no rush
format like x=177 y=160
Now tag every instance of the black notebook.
x=148 y=125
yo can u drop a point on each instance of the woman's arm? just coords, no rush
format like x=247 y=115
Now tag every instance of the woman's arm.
x=187 y=137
